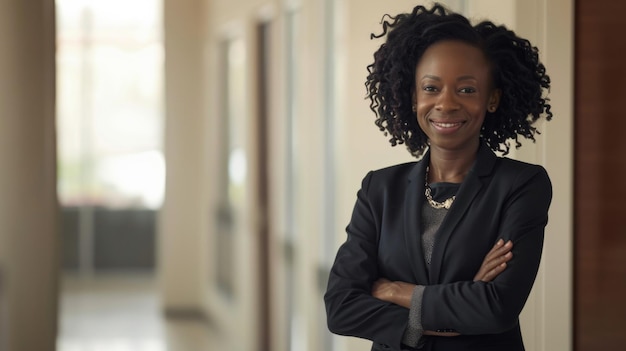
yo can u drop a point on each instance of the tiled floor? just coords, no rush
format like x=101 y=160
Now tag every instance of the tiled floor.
x=122 y=313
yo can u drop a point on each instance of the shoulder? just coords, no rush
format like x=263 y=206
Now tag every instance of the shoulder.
x=395 y=170
x=504 y=172
x=393 y=174
x=392 y=177
x=513 y=169
x=523 y=177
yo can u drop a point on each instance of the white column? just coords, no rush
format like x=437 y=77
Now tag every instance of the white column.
x=29 y=242
x=180 y=235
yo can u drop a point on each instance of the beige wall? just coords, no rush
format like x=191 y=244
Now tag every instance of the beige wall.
x=29 y=242
x=360 y=147
x=181 y=238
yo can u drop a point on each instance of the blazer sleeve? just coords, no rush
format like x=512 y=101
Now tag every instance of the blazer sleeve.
x=494 y=307
x=351 y=310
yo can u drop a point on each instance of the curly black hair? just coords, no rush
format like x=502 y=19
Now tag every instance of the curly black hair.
x=514 y=62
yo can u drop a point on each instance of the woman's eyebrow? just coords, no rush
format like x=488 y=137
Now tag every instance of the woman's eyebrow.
x=429 y=76
x=467 y=77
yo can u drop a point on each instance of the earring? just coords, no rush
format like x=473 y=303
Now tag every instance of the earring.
x=414 y=108
x=492 y=108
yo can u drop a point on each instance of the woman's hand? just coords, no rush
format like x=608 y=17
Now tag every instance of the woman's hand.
x=493 y=264
x=495 y=261
x=400 y=293
x=395 y=292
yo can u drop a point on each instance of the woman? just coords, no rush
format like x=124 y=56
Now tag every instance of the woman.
x=442 y=253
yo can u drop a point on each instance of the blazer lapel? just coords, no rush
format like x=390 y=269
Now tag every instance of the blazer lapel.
x=414 y=198
x=485 y=161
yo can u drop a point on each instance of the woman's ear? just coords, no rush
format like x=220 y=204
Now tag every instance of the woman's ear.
x=494 y=100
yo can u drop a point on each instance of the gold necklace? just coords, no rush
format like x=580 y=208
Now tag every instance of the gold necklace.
x=434 y=204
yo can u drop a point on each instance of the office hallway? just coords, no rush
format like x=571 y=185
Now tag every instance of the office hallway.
x=122 y=313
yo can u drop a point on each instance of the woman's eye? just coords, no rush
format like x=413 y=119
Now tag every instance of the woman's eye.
x=429 y=88
x=467 y=90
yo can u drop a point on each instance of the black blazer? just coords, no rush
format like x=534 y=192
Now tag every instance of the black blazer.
x=499 y=198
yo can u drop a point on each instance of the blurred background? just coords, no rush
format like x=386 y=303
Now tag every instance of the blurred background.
x=177 y=174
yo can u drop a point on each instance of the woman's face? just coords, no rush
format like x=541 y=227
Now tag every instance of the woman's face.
x=453 y=91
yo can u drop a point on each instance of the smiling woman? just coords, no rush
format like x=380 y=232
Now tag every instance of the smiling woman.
x=442 y=253
x=453 y=90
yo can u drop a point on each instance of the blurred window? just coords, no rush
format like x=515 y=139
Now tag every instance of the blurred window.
x=109 y=103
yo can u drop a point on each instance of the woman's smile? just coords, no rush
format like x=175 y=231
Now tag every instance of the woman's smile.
x=446 y=127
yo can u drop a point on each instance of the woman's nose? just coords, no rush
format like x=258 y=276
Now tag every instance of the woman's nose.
x=447 y=101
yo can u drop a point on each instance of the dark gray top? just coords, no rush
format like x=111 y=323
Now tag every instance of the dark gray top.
x=432 y=219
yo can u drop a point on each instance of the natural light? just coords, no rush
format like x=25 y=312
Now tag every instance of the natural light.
x=109 y=103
